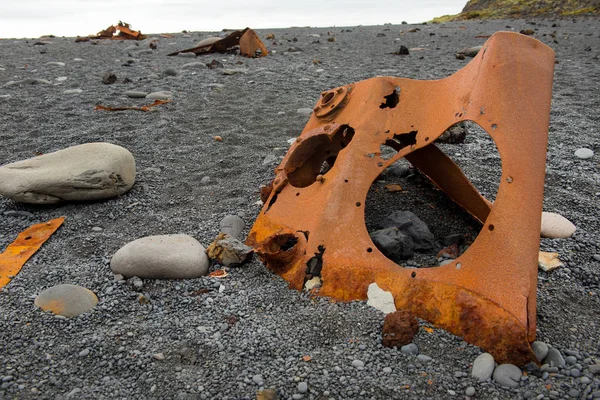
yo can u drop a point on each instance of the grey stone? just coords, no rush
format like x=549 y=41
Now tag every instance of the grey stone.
x=28 y=81
x=556 y=226
x=387 y=370
x=186 y=55
x=91 y=171
x=574 y=393
x=270 y=159
x=380 y=299
x=160 y=95
x=470 y=51
x=540 y=349
x=232 y=225
x=483 y=367
x=66 y=300
x=228 y=251
x=470 y=391
x=410 y=349
x=584 y=153
x=84 y=353
x=393 y=243
x=135 y=94
x=358 y=364
x=258 y=379
x=508 y=375
x=164 y=256
x=194 y=65
x=170 y=72
x=302 y=387
x=109 y=78
x=305 y=111
x=594 y=369
x=72 y=91
x=554 y=358
x=234 y=71
x=596 y=257
x=424 y=358
x=411 y=225
x=570 y=360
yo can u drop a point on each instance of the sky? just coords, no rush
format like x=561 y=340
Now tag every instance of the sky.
x=34 y=18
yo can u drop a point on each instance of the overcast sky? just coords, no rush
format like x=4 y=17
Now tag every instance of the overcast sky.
x=33 y=18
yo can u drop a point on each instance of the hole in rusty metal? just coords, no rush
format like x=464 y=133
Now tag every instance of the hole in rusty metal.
x=369 y=249
x=392 y=99
x=28 y=238
x=413 y=275
x=315 y=263
x=491 y=227
x=397 y=143
x=401 y=187
x=289 y=243
x=327 y=97
x=494 y=126
x=316 y=156
x=358 y=204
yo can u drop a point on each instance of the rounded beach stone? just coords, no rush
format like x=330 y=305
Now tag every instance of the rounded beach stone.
x=232 y=225
x=507 y=375
x=163 y=256
x=483 y=367
x=540 y=349
x=160 y=95
x=91 y=171
x=584 y=153
x=66 y=300
x=556 y=226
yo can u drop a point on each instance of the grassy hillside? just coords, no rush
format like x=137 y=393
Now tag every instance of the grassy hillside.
x=496 y=9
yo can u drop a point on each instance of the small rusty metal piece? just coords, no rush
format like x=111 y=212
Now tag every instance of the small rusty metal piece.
x=310 y=227
x=25 y=245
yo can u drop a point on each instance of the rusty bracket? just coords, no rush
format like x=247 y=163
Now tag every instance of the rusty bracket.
x=313 y=222
x=25 y=245
x=248 y=41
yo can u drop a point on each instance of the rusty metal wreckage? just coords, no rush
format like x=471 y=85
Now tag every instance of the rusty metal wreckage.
x=313 y=223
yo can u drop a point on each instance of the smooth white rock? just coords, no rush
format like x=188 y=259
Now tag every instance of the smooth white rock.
x=380 y=299
x=66 y=300
x=483 y=367
x=584 y=153
x=160 y=95
x=91 y=171
x=556 y=226
x=161 y=257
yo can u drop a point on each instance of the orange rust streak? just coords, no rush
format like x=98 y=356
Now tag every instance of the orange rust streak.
x=24 y=246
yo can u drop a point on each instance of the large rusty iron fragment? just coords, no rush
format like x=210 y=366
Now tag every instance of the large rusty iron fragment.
x=312 y=222
x=247 y=40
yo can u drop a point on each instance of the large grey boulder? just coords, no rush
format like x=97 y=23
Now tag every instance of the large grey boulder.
x=163 y=256
x=91 y=171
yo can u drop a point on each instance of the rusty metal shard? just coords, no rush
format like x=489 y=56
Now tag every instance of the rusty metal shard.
x=25 y=245
x=313 y=220
x=121 y=31
x=134 y=108
x=248 y=41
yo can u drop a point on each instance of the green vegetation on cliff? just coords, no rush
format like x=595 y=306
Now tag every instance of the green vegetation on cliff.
x=504 y=9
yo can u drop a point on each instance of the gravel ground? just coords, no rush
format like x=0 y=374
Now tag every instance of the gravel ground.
x=255 y=333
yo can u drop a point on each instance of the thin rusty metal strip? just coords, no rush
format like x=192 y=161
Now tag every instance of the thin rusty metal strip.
x=314 y=218
x=25 y=245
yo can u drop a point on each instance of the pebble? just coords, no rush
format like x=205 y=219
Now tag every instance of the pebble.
x=233 y=71
x=232 y=225
x=387 y=370
x=135 y=94
x=186 y=55
x=584 y=153
x=56 y=63
x=66 y=300
x=554 y=358
x=91 y=171
x=175 y=256
x=304 y=111
x=28 y=81
x=483 y=367
x=170 y=72
x=380 y=299
x=424 y=358
x=540 y=349
x=72 y=91
x=194 y=65
x=84 y=353
x=159 y=356
x=160 y=95
x=258 y=379
x=109 y=78
x=470 y=391
x=596 y=257
x=96 y=229
x=302 y=387
x=508 y=375
x=358 y=364
x=556 y=226
x=410 y=349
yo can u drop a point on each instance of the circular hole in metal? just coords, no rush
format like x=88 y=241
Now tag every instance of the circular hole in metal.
x=491 y=227
x=369 y=249
x=327 y=98
x=494 y=126
x=297 y=193
x=346 y=180
x=380 y=164
x=427 y=139
x=413 y=275
x=358 y=204
x=28 y=237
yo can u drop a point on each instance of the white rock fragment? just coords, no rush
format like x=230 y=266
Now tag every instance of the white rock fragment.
x=312 y=283
x=556 y=226
x=549 y=261
x=91 y=171
x=584 y=153
x=380 y=299
x=161 y=257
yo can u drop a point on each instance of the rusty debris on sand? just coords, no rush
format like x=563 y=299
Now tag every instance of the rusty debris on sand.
x=246 y=40
x=121 y=31
x=316 y=227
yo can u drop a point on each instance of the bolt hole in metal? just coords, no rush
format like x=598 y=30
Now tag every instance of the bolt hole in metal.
x=327 y=97
x=448 y=222
x=28 y=238
x=369 y=249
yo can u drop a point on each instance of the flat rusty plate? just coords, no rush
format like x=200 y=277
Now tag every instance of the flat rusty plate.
x=25 y=245
x=313 y=221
